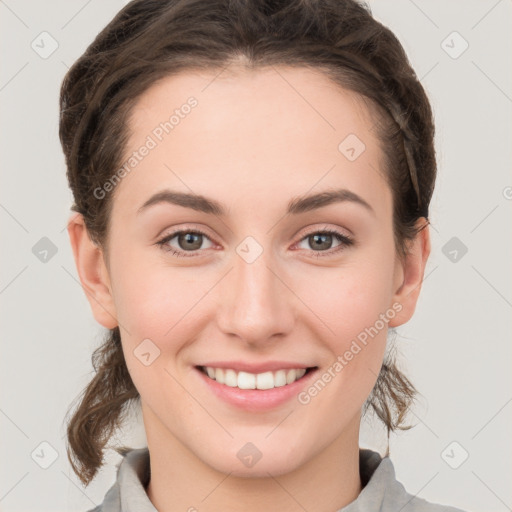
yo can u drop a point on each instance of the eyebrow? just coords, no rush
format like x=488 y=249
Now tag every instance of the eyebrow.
x=295 y=206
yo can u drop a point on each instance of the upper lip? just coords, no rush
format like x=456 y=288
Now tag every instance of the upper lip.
x=269 y=366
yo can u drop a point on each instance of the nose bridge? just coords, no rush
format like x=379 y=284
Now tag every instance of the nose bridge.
x=255 y=304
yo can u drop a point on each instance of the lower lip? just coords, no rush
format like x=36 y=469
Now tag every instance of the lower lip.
x=256 y=399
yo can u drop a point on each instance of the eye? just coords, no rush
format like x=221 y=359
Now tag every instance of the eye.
x=189 y=241
x=321 y=242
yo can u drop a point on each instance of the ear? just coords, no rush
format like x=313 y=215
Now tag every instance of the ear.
x=409 y=272
x=92 y=271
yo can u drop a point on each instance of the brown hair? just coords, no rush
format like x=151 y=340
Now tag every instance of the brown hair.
x=152 y=39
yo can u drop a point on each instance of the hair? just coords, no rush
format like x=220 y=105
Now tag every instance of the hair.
x=149 y=40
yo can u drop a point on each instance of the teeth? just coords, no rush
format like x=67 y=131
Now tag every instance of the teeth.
x=219 y=374
x=280 y=378
x=230 y=378
x=245 y=380
x=265 y=380
x=291 y=375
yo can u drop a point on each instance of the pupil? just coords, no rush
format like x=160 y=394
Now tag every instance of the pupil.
x=318 y=238
x=190 y=238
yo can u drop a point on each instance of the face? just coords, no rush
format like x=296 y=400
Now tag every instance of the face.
x=261 y=280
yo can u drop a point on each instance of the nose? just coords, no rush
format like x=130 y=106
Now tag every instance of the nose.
x=256 y=304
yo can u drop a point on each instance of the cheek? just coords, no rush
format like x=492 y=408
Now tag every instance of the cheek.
x=162 y=305
x=349 y=299
x=154 y=300
x=354 y=305
x=168 y=307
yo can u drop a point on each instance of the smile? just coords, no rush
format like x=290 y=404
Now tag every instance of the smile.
x=246 y=380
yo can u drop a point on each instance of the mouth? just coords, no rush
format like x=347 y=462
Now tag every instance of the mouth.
x=256 y=381
x=262 y=381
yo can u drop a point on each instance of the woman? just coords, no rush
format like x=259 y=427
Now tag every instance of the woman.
x=290 y=144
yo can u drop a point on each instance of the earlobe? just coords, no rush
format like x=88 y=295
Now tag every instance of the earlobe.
x=92 y=272
x=411 y=271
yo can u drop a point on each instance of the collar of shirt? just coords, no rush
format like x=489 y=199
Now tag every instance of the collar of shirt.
x=381 y=492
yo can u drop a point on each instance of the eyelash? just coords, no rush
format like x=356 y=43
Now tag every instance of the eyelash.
x=344 y=240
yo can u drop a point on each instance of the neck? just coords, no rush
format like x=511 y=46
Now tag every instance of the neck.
x=181 y=481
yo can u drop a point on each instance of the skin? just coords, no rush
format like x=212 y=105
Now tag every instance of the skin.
x=253 y=143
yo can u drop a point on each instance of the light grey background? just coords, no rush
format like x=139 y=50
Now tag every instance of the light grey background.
x=457 y=349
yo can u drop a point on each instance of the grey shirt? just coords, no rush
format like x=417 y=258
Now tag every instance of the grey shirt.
x=382 y=492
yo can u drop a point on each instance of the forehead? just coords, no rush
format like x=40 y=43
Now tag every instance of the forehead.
x=274 y=91
x=283 y=128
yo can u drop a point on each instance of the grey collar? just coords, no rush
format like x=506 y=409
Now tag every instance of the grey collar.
x=381 y=492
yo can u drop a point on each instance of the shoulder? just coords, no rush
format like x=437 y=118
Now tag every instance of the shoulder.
x=410 y=503
x=133 y=472
x=112 y=500
x=385 y=493
x=406 y=502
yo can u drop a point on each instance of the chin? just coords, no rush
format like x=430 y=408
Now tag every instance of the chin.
x=262 y=469
x=247 y=461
